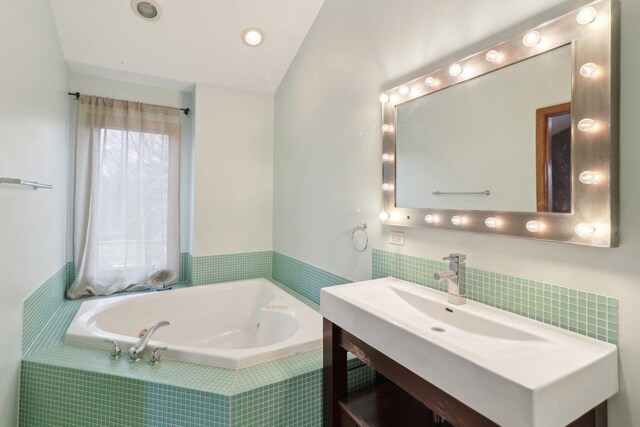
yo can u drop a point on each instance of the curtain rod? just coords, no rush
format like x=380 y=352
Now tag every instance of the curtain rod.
x=186 y=111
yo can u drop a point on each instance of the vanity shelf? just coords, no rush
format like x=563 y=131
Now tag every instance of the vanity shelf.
x=385 y=405
x=406 y=396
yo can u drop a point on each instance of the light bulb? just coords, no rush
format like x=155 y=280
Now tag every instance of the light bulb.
x=492 y=56
x=387 y=157
x=589 y=70
x=586 y=15
x=534 y=226
x=590 y=177
x=395 y=216
x=384 y=216
x=455 y=70
x=587 y=125
x=404 y=90
x=252 y=37
x=384 y=98
x=584 y=229
x=491 y=222
x=456 y=220
x=429 y=82
x=387 y=187
x=386 y=128
x=532 y=38
x=430 y=219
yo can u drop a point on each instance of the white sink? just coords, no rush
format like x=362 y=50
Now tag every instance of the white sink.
x=513 y=370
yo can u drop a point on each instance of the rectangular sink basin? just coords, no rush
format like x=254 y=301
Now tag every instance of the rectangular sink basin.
x=513 y=370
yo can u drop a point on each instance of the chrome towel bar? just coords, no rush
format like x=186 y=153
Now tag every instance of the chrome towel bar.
x=19 y=181
x=462 y=193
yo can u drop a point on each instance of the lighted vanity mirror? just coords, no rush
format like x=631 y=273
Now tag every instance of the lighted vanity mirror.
x=519 y=139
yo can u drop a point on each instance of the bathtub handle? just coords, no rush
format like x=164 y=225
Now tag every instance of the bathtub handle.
x=116 y=351
x=155 y=356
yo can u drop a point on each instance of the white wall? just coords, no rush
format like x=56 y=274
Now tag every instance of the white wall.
x=233 y=171
x=99 y=86
x=327 y=152
x=34 y=144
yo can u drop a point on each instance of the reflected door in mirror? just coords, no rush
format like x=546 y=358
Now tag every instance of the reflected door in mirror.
x=553 y=158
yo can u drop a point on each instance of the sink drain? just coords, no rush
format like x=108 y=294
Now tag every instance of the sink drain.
x=437 y=329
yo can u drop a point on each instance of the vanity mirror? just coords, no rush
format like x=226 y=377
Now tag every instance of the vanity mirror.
x=519 y=139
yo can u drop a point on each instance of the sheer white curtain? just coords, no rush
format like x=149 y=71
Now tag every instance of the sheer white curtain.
x=126 y=213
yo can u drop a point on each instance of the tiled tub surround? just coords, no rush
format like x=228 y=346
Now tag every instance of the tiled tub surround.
x=75 y=386
x=578 y=311
x=67 y=385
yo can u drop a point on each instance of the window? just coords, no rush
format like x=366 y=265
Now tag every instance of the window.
x=126 y=199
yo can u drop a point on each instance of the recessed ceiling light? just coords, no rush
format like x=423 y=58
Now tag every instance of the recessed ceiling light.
x=253 y=37
x=149 y=10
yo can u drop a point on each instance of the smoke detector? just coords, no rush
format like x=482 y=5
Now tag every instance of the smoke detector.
x=149 y=10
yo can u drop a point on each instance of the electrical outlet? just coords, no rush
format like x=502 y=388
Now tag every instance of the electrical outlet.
x=396 y=238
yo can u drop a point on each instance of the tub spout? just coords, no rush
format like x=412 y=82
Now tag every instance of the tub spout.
x=136 y=350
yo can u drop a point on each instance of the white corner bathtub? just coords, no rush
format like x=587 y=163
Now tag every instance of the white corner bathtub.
x=230 y=325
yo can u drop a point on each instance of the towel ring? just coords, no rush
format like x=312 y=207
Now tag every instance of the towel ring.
x=359 y=237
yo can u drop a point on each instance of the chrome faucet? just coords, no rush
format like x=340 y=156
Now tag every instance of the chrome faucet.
x=455 y=286
x=136 y=350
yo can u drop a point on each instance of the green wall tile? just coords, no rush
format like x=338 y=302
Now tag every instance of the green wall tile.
x=42 y=305
x=302 y=277
x=231 y=267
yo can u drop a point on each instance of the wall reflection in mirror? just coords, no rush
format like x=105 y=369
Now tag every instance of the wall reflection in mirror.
x=500 y=142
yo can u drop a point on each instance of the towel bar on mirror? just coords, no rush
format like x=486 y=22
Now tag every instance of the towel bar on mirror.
x=462 y=193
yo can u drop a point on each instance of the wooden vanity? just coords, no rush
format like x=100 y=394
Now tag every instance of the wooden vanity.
x=400 y=398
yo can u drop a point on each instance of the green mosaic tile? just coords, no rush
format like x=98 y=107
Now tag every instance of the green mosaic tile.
x=186 y=267
x=360 y=378
x=230 y=267
x=578 y=311
x=41 y=306
x=294 y=402
x=302 y=277
x=71 y=397
x=298 y=295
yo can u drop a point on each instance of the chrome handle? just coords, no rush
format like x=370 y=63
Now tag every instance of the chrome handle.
x=116 y=351
x=155 y=356
x=444 y=275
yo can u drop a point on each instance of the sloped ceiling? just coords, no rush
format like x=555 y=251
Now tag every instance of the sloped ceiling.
x=194 y=41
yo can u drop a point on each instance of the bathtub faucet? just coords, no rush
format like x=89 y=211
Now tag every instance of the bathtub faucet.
x=135 y=352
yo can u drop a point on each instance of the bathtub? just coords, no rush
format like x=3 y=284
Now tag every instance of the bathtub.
x=230 y=325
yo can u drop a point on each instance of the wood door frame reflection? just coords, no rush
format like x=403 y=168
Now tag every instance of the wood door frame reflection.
x=544 y=192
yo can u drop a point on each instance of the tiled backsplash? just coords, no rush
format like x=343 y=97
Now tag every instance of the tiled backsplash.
x=230 y=267
x=302 y=277
x=186 y=267
x=578 y=311
x=41 y=306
